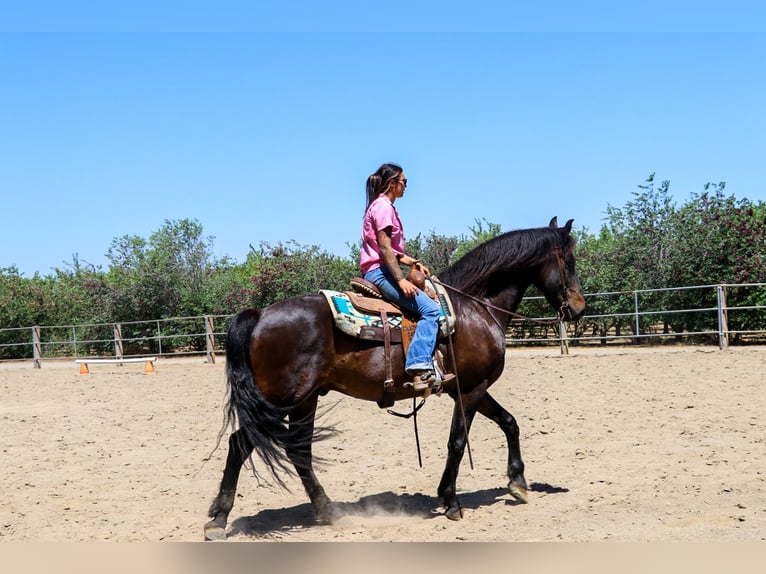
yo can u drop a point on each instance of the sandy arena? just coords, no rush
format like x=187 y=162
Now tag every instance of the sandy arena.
x=635 y=445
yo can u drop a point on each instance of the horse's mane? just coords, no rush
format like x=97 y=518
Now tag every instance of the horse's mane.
x=503 y=255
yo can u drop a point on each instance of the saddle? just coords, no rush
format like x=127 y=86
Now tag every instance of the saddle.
x=367 y=298
x=362 y=312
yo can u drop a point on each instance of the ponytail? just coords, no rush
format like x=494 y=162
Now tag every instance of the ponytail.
x=374 y=184
x=379 y=181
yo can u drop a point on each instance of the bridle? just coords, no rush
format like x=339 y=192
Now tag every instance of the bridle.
x=565 y=290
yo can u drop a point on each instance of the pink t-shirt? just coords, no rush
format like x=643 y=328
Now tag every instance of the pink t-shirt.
x=379 y=215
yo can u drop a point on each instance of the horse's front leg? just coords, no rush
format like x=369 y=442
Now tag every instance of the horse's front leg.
x=239 y=450
x=517 y=484
x=462 y=418
x=302 y=420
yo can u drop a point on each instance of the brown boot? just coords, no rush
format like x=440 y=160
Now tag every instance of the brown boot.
x=422 y=380
x=428 y=380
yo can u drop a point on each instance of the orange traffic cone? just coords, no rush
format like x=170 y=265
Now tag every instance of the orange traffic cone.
x=84 y=369
x=148 y=367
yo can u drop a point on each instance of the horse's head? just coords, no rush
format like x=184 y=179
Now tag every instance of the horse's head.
x=558 y=278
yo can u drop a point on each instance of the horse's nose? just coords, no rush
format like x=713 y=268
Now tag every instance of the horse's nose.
x=576 y=307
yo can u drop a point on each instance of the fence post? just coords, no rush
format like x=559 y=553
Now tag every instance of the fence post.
x=118 y=351
x=209 y=339
x=36 y=348
x=563 y=338
x=723 y=320
x=638 y=320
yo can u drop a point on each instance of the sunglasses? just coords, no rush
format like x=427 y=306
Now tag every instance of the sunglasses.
x=404 y=181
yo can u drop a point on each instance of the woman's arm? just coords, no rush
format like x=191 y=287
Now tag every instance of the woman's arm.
x=389 y=256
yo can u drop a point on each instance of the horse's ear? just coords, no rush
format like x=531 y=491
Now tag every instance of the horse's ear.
x=568 y=226
x=554 y=222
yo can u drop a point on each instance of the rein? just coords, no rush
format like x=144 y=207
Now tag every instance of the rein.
x=564 y=303
x=459 y=398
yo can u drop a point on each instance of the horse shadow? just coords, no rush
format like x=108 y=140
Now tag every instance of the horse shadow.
x=271 y=521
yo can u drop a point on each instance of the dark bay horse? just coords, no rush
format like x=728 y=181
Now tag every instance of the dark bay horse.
x=279 y=360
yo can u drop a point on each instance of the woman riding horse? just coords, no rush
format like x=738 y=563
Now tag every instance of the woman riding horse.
x=281 y=359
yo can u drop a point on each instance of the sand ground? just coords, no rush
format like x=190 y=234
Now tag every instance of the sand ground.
x=636 y=445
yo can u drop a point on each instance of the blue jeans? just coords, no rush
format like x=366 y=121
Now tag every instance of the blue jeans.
x=423 y=344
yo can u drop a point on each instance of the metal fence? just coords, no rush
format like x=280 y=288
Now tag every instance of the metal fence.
x=710 y=314
x=721 y=314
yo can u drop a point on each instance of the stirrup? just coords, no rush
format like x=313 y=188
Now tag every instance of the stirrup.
x=441 y=379
x=447 y=378
x=422 y=380
x=429 y=380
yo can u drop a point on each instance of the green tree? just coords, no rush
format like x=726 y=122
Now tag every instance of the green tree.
x=718 y=239
x=24 y=302
x=643 y=231
x=650 y=243
x=479 y=234
x=435 y=251
x=166 y=276
x=172 y=274
x=640 y=238
x=80 y=294
x=277 y=272
x=602 y=277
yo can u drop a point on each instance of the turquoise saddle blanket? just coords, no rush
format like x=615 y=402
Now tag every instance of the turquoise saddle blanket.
x=355 y=323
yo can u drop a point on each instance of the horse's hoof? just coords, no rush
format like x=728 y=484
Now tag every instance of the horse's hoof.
x=518 y=492
x=455 y=513
x=327 y=515
x=215 y=532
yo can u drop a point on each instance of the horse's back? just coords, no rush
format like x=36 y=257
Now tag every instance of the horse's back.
x=292 y=323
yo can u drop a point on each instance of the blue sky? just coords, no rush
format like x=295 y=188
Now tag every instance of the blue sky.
x=262 y=121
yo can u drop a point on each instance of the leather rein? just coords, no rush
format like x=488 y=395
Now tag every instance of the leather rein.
x=459 y=394
x=459 y=397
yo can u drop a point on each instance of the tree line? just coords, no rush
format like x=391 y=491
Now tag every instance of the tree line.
x=653 y=243
x=649 y=243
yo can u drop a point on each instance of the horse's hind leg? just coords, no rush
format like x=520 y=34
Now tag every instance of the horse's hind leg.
x=517 y=484
x=219 y=511
x=302 y=420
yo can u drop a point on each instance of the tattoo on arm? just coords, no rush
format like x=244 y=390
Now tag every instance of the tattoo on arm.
x=389 y=256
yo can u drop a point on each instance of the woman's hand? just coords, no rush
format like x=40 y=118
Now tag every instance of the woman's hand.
x=407 y=288
x=420 y=267
x=412 y=262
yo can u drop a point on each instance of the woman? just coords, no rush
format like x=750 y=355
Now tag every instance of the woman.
x=382 y=253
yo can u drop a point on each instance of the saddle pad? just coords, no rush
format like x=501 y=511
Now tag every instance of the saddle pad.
x=351 y=321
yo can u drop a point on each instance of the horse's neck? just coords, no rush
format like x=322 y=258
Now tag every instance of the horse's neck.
x=506 y=300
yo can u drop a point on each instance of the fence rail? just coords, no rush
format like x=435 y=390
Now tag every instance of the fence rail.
x=710 y=314
x=176 y=336
x=721 y=314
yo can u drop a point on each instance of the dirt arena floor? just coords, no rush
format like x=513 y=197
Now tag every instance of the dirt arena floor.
x=634 y=445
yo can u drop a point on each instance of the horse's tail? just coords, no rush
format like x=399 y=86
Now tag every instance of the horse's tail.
x=262 y=426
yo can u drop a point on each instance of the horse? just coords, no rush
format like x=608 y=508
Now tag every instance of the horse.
x=281 y=359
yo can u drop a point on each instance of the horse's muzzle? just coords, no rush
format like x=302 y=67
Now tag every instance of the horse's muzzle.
x=573 y=306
